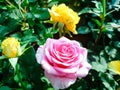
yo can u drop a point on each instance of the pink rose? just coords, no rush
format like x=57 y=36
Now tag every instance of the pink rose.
x=63 y=61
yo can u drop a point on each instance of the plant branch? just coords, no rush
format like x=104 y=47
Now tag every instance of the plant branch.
x=102 y=27
x=104 y=7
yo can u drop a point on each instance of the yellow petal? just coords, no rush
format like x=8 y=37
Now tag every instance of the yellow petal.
x=11 y=47
x=115 y=66
x=65 y=15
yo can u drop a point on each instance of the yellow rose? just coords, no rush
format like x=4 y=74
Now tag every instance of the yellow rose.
x=65 y=15
x=115 y=66
x=11 y=47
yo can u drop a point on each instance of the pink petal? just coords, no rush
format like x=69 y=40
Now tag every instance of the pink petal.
x=83 y=71
x=67 y=70
x=60 y=82
x=48 y=67
x=64 y=39
x=52 y=70
x=39 y=54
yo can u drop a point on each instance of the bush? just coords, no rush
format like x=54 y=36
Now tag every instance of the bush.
x=29 y=21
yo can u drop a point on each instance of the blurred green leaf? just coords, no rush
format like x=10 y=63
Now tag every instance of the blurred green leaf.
x=50 y=89
x=10 y=26
x=99 y=7
x=3 y=7
x=32 y=0
x=112 y=52
x=26 y=2
x=108 y=81
x=53 y=2
x=104 y=58
x=1 y=0
x=85 y=10
x=28 y=57
x=5 y=88
x=117 y=44
x=98 y=67
x=83 y=30
x=28 y=37
x=3 y=30
x=97 y=22
x=41 y=13
x=44 y=79
x=16 y=78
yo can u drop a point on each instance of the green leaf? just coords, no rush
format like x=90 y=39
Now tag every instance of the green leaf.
x=97 y=22
x=115 y=2
x=98 y=67
x=50 y=89
x=26 y=2
x=3 y=7
x=1 y=0
x=2 y=57
x=32 y=1
x=28 y=37
x=112 y=52
x=28 y=57
x=83 y=30
x=3 y=30
x=16 y=78
x=17 y=1
x=8 y=28
x=41 y=13
x=110 y=34
x=85 y=10
x=98 y=5
x=44 y=79
x=117 y=44
x=104 y=58
x=5 y=88
x=108 y=81
x=44 y=14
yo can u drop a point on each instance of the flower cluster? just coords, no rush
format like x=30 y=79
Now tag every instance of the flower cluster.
x=63 y=60
x=40 y=46
x=65 y=15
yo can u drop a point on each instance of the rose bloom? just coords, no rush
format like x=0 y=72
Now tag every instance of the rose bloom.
x=63 y=61
x=65 y=15
x=11 y=47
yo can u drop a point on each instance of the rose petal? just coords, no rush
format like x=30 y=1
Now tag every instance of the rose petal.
x=39 y=54
x=67 y=70
x=48 y=67
x=60 y=82
x=83 y=51
x=83 y=71
x=64 y=39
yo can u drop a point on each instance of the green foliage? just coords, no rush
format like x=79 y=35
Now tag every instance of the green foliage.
x=27 y=21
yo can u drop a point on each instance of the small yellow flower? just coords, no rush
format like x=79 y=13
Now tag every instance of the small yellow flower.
x=115 y=66
x=11 y=47
x=65 y=15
